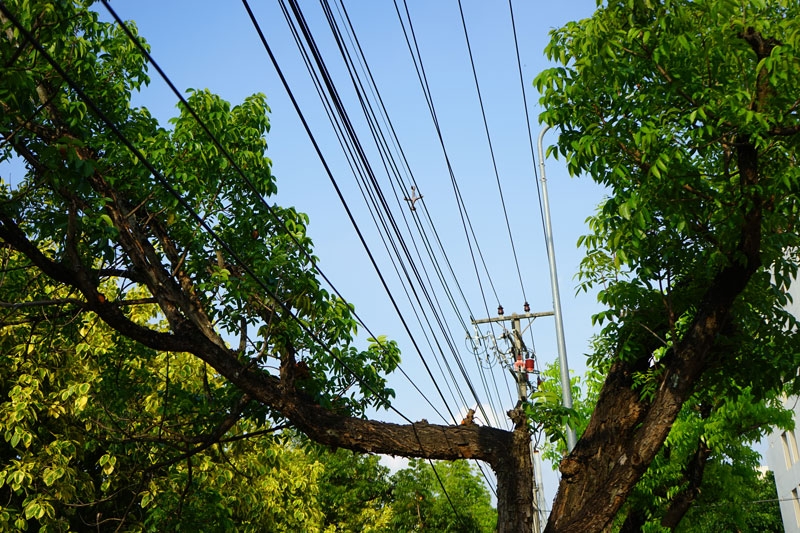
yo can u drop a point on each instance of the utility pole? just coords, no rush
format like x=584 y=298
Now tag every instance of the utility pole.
x=520 y=367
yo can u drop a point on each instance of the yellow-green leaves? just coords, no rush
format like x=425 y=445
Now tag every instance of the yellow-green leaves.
x=107 y=462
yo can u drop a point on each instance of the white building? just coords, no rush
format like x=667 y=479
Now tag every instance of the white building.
x=783 y=454
x=783 y=458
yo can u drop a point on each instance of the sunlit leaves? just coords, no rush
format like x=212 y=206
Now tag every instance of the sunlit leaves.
x=94 y=424
x=652 y=103
x=201 y=203
x=84 y=425
x=547 y=415
x=453 y=499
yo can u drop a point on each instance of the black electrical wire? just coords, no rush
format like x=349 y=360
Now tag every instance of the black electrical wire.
x=420 y=70
x=370 y=113
x=406 y=166
x=465 y=221
x=297 y=109
x=528 y=126
x=328 y=83
x=491 y=147
x=367 y=194
x=181 y=200
x=426 y=90
x=269 y=208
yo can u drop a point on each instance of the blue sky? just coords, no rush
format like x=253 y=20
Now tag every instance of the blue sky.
x=213 y=45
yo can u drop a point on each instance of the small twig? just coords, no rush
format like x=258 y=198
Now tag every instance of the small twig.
x=665 y=343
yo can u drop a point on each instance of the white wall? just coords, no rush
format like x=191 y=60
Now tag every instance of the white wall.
x=783 y=452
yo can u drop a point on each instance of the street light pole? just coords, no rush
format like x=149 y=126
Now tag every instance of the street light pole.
x=566 y=387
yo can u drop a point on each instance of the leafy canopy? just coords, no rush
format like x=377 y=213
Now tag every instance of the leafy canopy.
x=652 y=100
x=246 y=265
x=110 y=256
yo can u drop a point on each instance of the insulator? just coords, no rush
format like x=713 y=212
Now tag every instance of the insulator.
x=527 y=307
x=500 y=310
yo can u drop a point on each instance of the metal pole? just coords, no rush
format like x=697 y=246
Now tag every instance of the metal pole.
x=537 y=474
x=566 y=387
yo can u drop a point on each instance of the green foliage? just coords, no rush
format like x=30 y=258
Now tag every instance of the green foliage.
x=687 y=112
x=741 y=500
x=100 y=431
x=354 y=492
x=732 y=493
x=652 y=100
x=420 y=504
x=725 y=428
x=78 y=167
x=548 y=415
x=97 y=429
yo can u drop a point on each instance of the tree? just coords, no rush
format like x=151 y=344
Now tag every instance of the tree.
x=754 y=506
x=101 y=433
x=422 y=504
x=117 y=212
x=687 y=112
x=355 y=493
x=707 y=460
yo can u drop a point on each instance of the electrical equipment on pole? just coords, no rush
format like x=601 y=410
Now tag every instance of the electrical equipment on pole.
x=521 y=362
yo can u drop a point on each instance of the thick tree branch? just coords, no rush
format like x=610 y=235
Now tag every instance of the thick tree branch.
x=11 y=234
x=413 y=440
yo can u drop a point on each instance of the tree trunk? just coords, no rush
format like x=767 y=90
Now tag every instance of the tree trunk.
x=515 y=480
x=625 y=433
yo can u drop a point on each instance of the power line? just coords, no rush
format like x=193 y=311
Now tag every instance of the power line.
x=410 y=36
x=328 y=171
x=465 y=220
x=528 y=127
x=380 y=140
x=491 y=148
x=249 y=183
x=181 y=200
x=323 y=71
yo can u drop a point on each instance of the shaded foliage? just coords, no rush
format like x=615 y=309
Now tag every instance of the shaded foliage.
x=422 y=504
